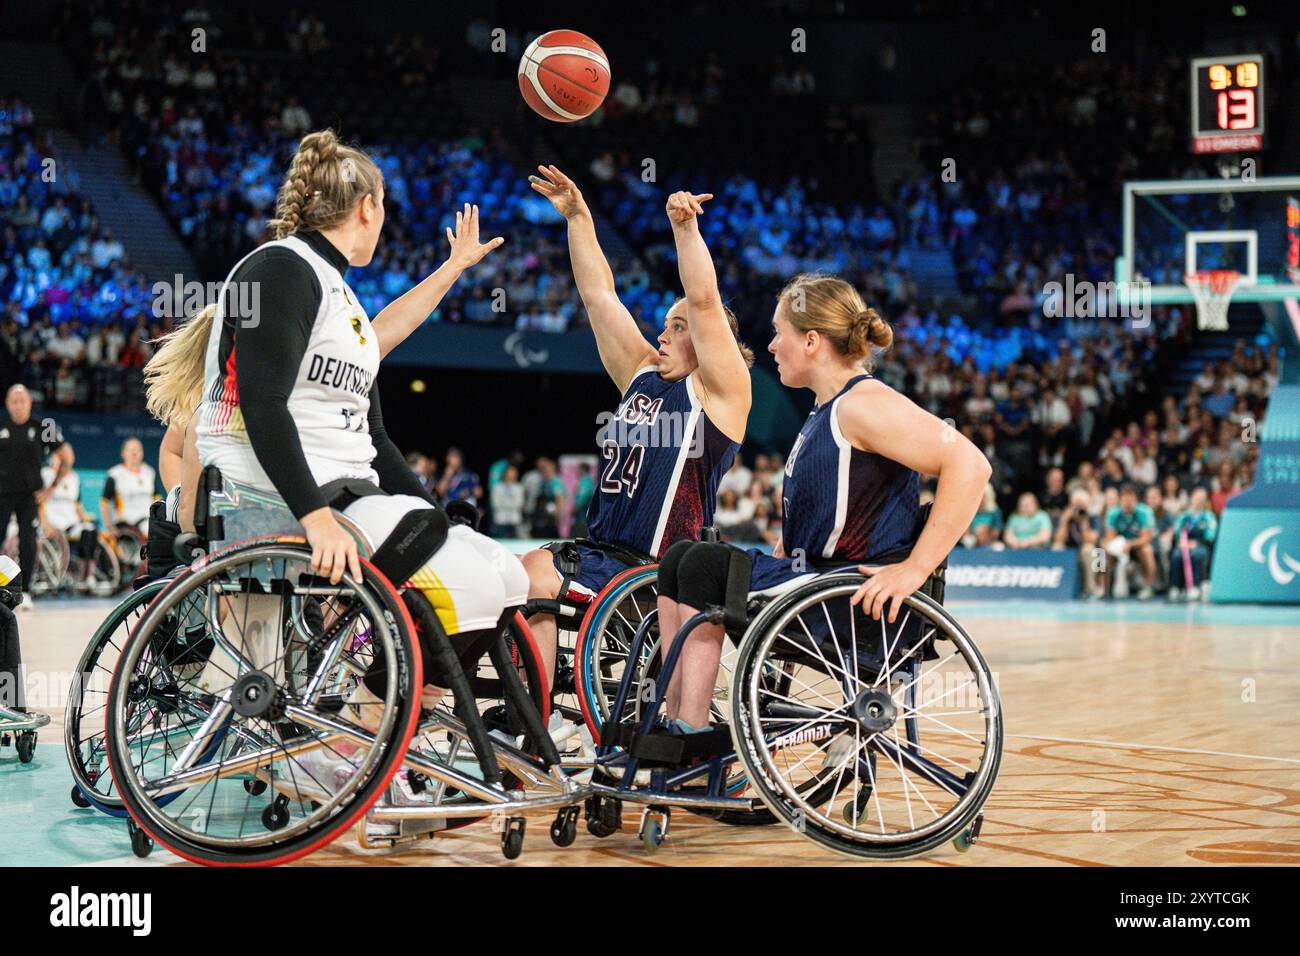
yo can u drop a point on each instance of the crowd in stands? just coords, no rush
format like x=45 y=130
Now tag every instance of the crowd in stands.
x=1143 y=502
x=75 y=318
x=1033 y=151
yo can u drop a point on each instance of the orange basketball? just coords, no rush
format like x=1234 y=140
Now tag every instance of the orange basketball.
x=564 y=75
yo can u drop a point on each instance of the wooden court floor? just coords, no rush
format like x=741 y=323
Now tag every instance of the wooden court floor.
x=1138 y=735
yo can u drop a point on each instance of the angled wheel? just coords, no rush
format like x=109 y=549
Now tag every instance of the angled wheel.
x=899 y=725
x=275 y=696
x=85 y=715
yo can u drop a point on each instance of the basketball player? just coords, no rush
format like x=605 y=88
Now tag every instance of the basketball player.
x=128 y=491
x=851 y=486
x=62 y=513
x=290 y=404
x=682 y=414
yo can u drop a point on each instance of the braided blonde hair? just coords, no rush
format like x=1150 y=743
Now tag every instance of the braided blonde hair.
x=325 y=181
x=174 y=376
x=826 y=304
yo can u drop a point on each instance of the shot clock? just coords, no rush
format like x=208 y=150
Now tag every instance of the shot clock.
x=1228 y=104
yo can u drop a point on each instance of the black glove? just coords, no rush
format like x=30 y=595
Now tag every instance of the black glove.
x=10 y=598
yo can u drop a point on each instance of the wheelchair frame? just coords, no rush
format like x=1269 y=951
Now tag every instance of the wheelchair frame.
x=747 y=739
x=232 y=512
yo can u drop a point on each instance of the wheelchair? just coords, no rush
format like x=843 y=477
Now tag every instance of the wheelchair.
x=599 y=627
x=825 y=713
x=52 y=558
x=18 y=727
x=54 y=554
x=231 y=732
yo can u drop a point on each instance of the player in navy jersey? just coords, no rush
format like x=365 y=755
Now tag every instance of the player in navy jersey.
x=681 y=417
x=851 y=489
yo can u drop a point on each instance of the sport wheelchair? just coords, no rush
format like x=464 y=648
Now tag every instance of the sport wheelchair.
x=17 y=725
x=234 y=733
x=54 y=555
x=825 y=715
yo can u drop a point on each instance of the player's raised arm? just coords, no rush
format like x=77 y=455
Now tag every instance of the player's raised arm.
x=622 y=348
x=408 y=311
x=723 y=372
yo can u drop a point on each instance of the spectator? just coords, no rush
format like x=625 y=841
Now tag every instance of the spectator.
x=457 y=482
x=1029 y=527
x=1194 y=532
x=986 y=526
x=507 y=504
x=1128 y=532
x=1077 y=531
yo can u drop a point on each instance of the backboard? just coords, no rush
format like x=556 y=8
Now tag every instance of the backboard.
x=1173 y=227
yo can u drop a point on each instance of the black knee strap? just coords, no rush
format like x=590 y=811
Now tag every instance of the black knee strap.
x=739 y=570
x=415 y=539
x=668 y=564
x=716 y=575
x=11 y=659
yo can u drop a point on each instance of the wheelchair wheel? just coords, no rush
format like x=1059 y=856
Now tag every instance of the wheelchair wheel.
x=270 y=697
x=106 y=570
x=52 y=559
x=129 y=550
x=605 y=638
x=900 y=725
x=443 y=745
x=86 y=712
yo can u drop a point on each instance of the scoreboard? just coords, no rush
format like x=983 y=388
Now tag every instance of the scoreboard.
x=1293 y=239
x=1228 y=104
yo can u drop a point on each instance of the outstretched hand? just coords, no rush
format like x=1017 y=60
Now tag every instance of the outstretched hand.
x=560 y=190
x=466 y=250
x=684 y=206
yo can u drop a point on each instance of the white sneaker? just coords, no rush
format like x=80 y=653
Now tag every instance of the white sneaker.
x=317 y=774
x=1175 y=594
x=1193 y=593
x=1145 y=594
x=563 y=733
x=25 y=606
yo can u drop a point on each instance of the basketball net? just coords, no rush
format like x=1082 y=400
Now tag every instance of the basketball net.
x=1212 y=289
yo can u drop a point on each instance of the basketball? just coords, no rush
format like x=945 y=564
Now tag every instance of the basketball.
x=564 y=76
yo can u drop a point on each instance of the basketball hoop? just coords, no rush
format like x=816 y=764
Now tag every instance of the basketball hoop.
x=1212 y=290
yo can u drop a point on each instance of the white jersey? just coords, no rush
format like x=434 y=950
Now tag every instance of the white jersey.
x=330 y=402
x=61 y=506
x=132 y=492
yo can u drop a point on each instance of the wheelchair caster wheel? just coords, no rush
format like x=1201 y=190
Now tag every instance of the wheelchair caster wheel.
x=276 y=816
x=968 y=837
x=79 y=798
x=25 y=744
x=512 y=838
x=141 y=842
x=653 y=829
x=564 y=830
x=604 y=816
x=856 y=811
x=255 y=787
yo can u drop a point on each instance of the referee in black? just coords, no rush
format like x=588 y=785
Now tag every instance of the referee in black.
x=24 y=446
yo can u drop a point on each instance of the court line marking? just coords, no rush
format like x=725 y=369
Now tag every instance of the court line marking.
x=1133 y=746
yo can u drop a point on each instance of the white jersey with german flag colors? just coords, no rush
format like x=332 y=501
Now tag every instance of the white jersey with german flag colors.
x=131 y=492
x=330 y=400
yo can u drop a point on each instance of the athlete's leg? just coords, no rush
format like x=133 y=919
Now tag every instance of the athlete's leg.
x=701 y=582
x=671 y=616
x=543 y=583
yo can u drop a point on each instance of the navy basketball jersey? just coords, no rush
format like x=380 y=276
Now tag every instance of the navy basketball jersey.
x=839 y=502
x=662 y=459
